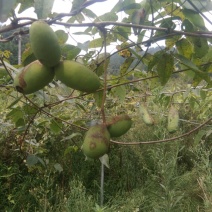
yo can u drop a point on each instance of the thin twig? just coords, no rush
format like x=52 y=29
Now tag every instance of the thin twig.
x=207 y=34
x=49 y=114
x=164 y=140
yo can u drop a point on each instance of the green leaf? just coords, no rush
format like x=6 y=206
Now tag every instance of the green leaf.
x=201 y=46
x=187 y=26
x=27 y=56
x=43 y=8
x=4 y=76
x=195 y=18
x=62 y=36
x=16 y=115
x=199 y=136
x=170 y=42
x=122 y=4
x=80 y=106
x=188 y=63
x=79 y=18
x=185 y=48
x=15 y=102
x=29 y=110
x=31 y=160
x=101 y=65
x=55 y=126
x=20 y=123
x=98 y=42
x=98 y=96
x=172 y=9
x=120 y=92
x=132 y=6
x=58 y=167
x=165 y=67
x=124 y=66
x=89 y=13
x=25 y=4
x=122 y=33
x=71 y=149
x=110 y=16
x=76 y=4
x=69 y=51
x=6 y=7
x=166 y=23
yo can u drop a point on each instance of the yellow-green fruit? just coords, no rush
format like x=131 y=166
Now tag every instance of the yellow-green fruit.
x=44 y=43
x=173 y=119
x=96 y=142
x=33 y=77
x=147 y=118
x=77 y=76
x=119 y=125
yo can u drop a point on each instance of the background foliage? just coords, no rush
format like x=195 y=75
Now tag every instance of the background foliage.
x=168 y=63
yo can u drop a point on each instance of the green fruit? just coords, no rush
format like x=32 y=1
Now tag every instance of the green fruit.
x=33 y=77
x=44 y=43
x=173 y=119
x=119 y=125
x=77 y=76
x=147 y=118
x=96 y=141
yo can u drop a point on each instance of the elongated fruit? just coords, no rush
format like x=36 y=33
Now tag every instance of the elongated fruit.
x=44 y=43
x=77 y=76
x=96 y=141
x=119 y=125
x=173 y=119
x=146 y=117
x=33 y=77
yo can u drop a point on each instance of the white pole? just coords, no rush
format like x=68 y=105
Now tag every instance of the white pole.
x=102 y=185
x=19 y=49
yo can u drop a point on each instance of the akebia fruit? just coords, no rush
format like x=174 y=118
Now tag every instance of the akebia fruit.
x=96 y=142
x=119 y=125
x=173 y=119
x=44 y=43
x=33 y=77
x=77 y=76
x=146 y=117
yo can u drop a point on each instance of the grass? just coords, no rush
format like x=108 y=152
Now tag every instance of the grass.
x=173 y=176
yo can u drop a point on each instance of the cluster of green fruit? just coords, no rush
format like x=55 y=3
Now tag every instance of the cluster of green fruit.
x=97 y=139
x=38 y=74
x=173 y=117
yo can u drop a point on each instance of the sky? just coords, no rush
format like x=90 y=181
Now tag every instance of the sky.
x=99 y=7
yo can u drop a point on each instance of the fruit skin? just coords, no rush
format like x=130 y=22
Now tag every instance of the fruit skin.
x=147 y=118
x=173 y=119
x=44 y=43
x=77 y=76
x=96 y=142
x=119 y=125
x=33 y=77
